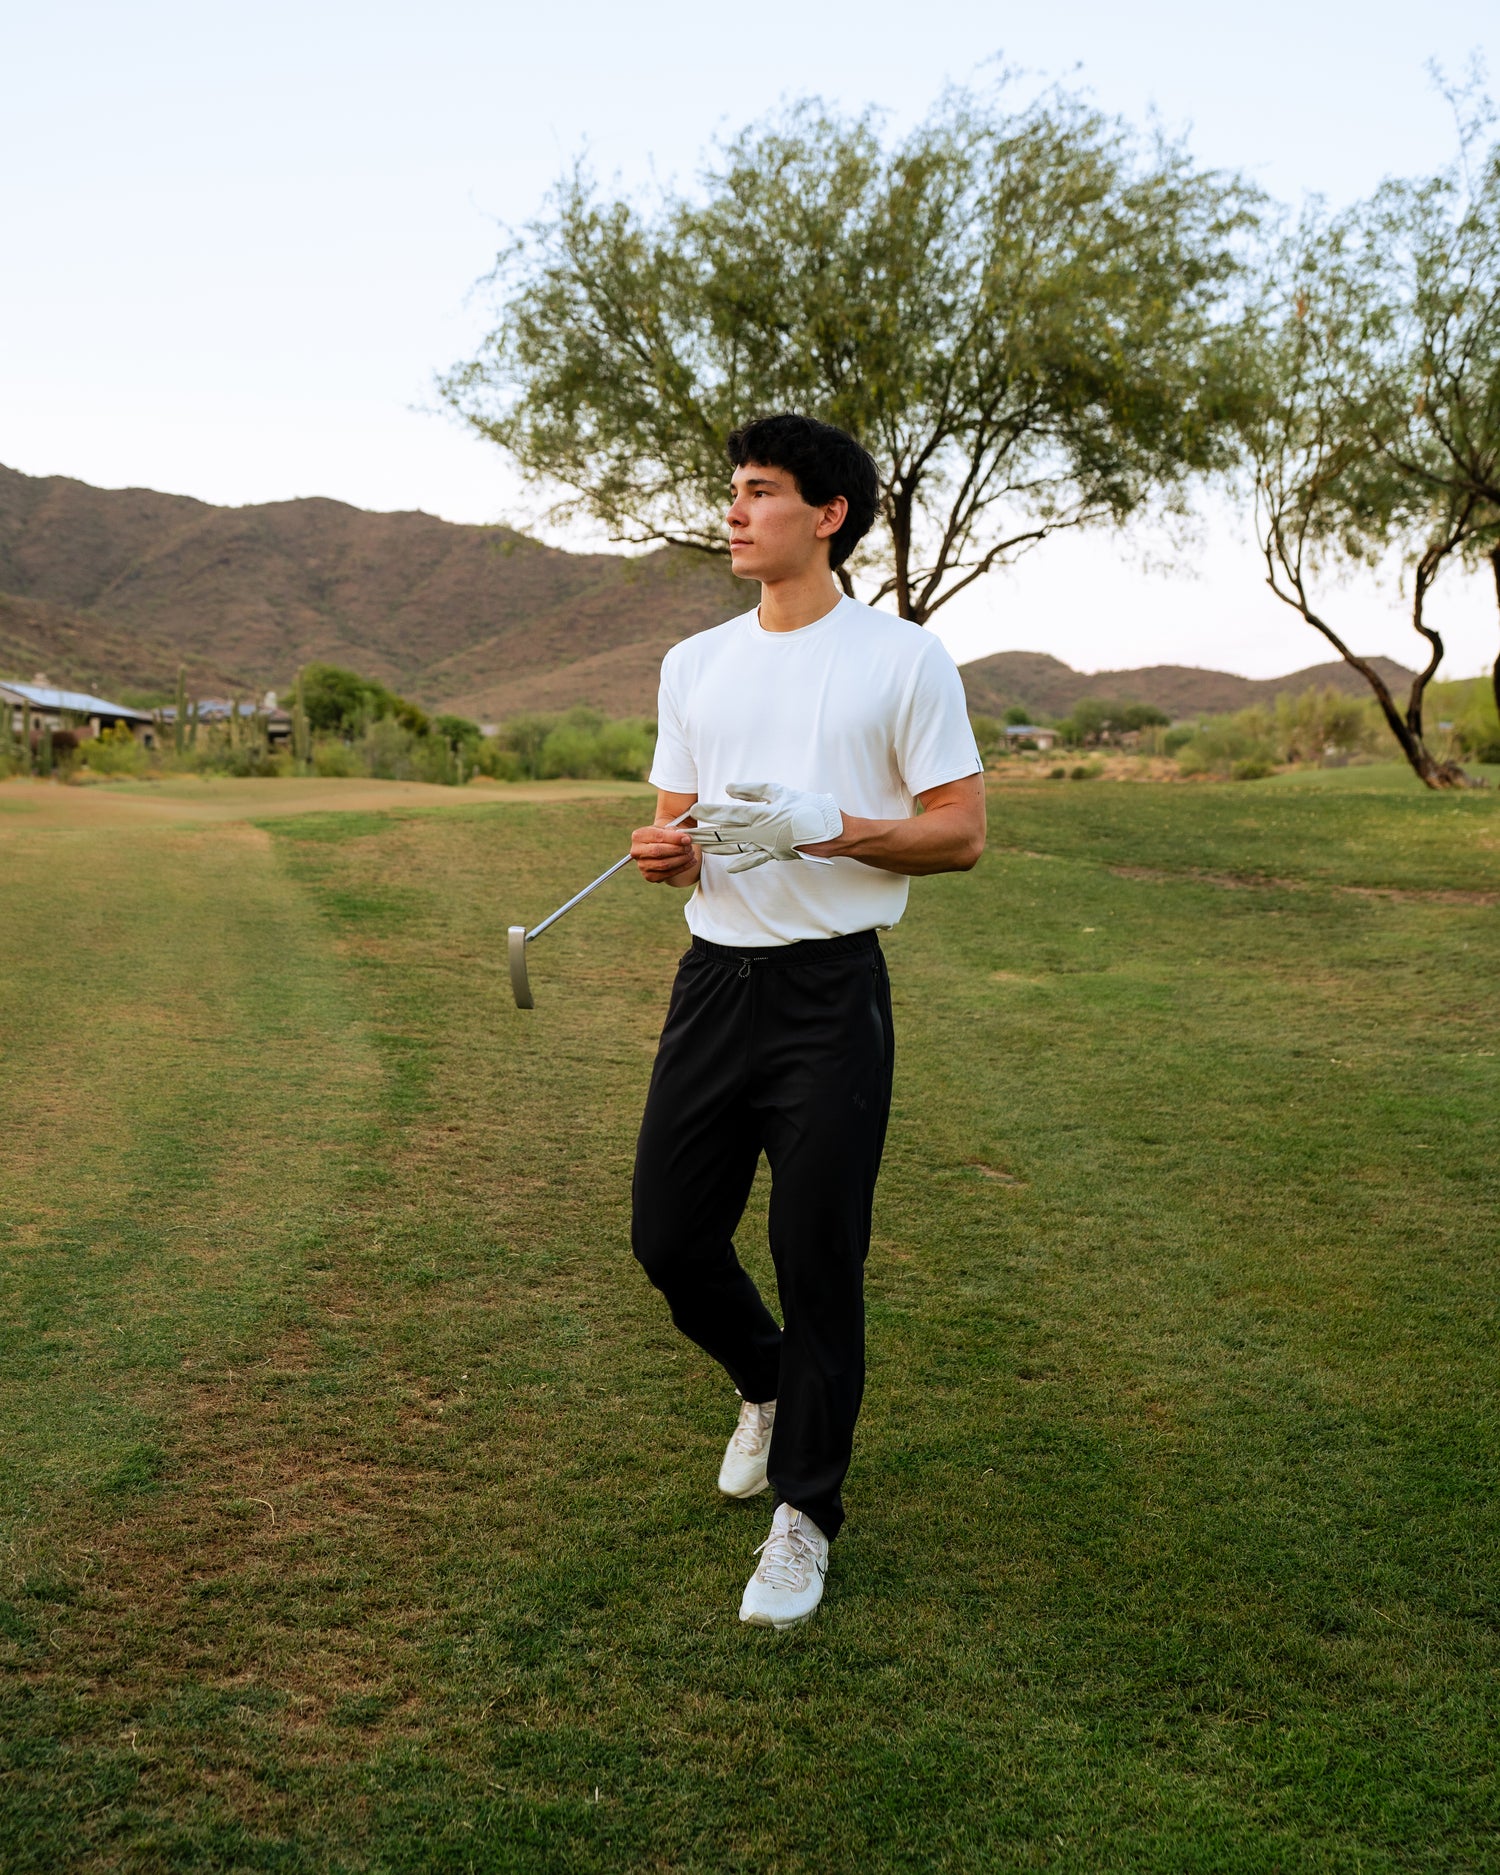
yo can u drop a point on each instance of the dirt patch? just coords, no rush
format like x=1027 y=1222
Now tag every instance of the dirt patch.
x=1257 y=882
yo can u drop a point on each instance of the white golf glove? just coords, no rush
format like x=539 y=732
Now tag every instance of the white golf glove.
x=765 y=820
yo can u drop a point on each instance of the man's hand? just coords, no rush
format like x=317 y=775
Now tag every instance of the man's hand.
x=764 y=820
x=666 y=855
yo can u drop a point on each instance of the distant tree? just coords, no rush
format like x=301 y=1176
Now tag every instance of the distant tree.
x=457 y=731
x=341 y=702
x=1424 y=361
x=1101 y=719
x=1023 y=314
x=989 y=736
x=1377 y=431
x=1018 y=714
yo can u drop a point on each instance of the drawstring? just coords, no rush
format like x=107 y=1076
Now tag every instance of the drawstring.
x=744 y=969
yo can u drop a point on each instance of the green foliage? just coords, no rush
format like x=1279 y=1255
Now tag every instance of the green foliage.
x=341 y=702
x=1375 y=433
x=115 y=752
x=582 y=743
x=335 y=760
x=458 y=732
x=1018 y=713
x=1471 y=708
x=1302 y=728
x=989 y=736
x=1099 y=719
x=1021 y=312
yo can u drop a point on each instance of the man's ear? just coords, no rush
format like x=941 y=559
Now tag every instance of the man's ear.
x=832 y=518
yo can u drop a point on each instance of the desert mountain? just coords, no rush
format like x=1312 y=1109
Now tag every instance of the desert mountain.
x=1049 y=687
x=108 y=589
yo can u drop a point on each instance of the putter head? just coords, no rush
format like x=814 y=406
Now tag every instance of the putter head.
x=520 y=984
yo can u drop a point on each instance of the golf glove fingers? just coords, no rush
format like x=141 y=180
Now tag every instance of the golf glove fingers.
x=767 y=816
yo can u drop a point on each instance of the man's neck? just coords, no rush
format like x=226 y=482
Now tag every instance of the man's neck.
x=786 y=605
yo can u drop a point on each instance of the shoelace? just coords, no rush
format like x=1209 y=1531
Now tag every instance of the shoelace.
x=787 y=1558
x=749 y=1434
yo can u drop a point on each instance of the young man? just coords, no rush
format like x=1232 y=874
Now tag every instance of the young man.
x=800 y=736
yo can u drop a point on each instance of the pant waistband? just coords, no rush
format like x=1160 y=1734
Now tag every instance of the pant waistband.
x=788 y=956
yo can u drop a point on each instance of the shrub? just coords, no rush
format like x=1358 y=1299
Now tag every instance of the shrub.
x=498 y=762
x=1217 y=745
x=1309 y=725
x=989 y=737
x=1096 y=719
x=1252 y=770
x=337 y=761
x=386 y=750
x=115 y=752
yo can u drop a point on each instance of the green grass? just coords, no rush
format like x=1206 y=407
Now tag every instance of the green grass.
x=359 y=1510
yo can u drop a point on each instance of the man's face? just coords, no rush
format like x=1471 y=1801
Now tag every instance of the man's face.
x=773 y=533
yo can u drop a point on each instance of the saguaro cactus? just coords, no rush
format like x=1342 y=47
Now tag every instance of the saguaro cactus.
x=301 y=729
x=179 y=717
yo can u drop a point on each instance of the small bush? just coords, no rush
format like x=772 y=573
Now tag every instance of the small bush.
x=336 y=761
x=1085 y=771
x=1057 y=774
x=386 y=749
x=1252 y=770
x=115 y=752
x=989 y=736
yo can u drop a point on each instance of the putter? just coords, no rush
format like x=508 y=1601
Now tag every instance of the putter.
x=518 y=937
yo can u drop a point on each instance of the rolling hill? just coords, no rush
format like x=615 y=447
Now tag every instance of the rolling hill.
x=1049 y=687
x=109 y=589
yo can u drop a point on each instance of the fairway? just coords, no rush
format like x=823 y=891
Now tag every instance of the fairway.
x=358 y=1505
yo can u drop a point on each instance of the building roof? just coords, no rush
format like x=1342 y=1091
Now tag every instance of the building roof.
x=1029 y=729
x=44 y=697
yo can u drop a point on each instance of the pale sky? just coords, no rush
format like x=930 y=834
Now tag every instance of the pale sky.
x=241 y=240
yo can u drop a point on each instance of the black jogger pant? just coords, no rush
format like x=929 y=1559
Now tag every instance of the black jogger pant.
x=786 y=1050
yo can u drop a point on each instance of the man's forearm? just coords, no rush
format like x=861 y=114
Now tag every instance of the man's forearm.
x=941 y=840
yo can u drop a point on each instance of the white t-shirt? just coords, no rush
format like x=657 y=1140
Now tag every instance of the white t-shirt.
x=861 y=705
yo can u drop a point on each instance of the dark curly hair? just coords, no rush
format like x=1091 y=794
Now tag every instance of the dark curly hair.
x=825 y=462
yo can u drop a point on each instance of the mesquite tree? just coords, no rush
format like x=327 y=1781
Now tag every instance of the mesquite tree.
x=1425 y=363
x=1025 y=315
x=1377 y=429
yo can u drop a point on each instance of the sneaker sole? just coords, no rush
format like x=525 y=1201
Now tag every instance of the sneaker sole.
x=742 y=1497
x=780 y=1627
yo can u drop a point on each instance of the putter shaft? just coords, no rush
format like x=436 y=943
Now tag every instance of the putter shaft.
x=518 y=937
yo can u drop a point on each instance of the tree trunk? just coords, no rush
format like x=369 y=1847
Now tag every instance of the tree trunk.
x=1495 y=673
x=899 y=520
x=1436 y=774
x=1406 y=729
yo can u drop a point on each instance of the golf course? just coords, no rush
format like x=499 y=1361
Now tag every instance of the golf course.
x=358 y=1509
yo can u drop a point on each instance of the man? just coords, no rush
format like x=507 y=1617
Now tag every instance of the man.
x=800 y=736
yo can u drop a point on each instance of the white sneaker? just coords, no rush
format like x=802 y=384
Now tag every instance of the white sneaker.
x=743 y=1472
x=788 y=1585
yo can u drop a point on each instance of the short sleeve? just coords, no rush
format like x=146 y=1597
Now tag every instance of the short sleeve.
x=673 y=768
x=934 y=740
